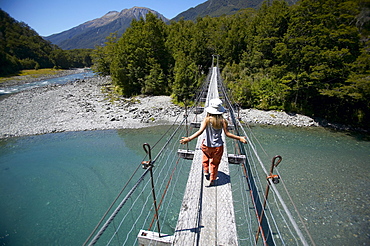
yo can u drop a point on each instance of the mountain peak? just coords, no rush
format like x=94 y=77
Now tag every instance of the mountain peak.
x=110 y=14
x=138 y=12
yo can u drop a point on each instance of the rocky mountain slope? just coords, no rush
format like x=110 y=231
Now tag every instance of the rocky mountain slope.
x=94 y=32
x=215 y=8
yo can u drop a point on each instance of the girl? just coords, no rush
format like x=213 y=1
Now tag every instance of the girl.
x=213 y=145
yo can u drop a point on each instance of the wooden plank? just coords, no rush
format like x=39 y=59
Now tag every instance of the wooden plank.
x=187 y=228
x=236 y=159
x=146 y=238
x=186 y=154
x=207 y=213
x=226 y=225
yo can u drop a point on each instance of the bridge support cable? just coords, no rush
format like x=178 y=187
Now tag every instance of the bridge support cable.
x=114 y=214
x=132 y=190
x=277 y=193
x=260 y=210
x=263 y=228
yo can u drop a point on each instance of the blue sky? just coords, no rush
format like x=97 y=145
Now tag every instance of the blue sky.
x=54 y=16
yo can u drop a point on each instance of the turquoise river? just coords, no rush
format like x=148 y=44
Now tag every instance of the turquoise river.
x=54 y=188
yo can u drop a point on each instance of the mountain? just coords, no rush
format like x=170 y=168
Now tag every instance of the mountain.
x=94 y=32
x=215 y=8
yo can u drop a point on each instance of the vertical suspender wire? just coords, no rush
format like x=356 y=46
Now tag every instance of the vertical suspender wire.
x=266 y=194
x=114 y=214
x=291 y=219
x=165 y=191
x=149 y=165
x=155 y=200
x=186 y=124
x=110 y=207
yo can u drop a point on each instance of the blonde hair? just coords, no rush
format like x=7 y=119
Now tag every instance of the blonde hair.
x=216 y=120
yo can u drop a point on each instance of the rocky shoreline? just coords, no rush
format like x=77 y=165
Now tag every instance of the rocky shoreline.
x=83 y=105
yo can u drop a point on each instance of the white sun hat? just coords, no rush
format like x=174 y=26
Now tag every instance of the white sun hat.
x=215 y=106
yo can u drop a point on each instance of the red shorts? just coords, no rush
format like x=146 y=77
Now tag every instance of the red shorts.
x=211 y=159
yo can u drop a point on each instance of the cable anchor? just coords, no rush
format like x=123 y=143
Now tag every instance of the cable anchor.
x=146 y=165
x=275 y=179
x=148 y=151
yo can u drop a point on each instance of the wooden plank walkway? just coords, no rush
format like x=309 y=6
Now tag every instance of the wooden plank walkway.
x=207 y=212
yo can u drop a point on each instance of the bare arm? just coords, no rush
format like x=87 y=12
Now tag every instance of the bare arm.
x=203 y=126
x=230 y=135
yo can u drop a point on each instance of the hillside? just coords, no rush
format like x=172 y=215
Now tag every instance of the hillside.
x=21 y=47
x=215 y=8
x=94 y=32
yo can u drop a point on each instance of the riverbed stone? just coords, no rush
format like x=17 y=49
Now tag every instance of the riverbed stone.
x=82 y=105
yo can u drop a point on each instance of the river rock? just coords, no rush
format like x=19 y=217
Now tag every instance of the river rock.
x=82 y=105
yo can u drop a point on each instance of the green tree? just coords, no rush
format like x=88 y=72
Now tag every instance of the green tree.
x=137 y=54
x=318 y=45
x=102 y=56
x=60 y=59
x=22 y=48
x=355 y=91
x=185 y=81
x=239 y=83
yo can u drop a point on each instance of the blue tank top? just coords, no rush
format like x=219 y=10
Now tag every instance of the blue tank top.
x=213 y=137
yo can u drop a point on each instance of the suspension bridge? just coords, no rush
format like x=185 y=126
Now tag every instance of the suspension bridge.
x=168 y=201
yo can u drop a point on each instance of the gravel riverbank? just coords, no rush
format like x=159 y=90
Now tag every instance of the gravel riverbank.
x=79 y=106
x=82 y=105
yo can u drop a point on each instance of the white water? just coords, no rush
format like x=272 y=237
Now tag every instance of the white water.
x=41 y=83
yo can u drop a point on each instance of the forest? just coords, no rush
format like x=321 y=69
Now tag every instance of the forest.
x=310 y=58
x=22 y=48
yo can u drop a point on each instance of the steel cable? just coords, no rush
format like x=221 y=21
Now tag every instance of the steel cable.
x=166 y=166
x=265 y=171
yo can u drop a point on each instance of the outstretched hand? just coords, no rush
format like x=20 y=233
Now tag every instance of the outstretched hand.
x=243 y=139
x=184 y=140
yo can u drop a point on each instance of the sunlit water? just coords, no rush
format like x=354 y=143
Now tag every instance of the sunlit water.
x=327 y=174
x=54 y=188
x=42 y=83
